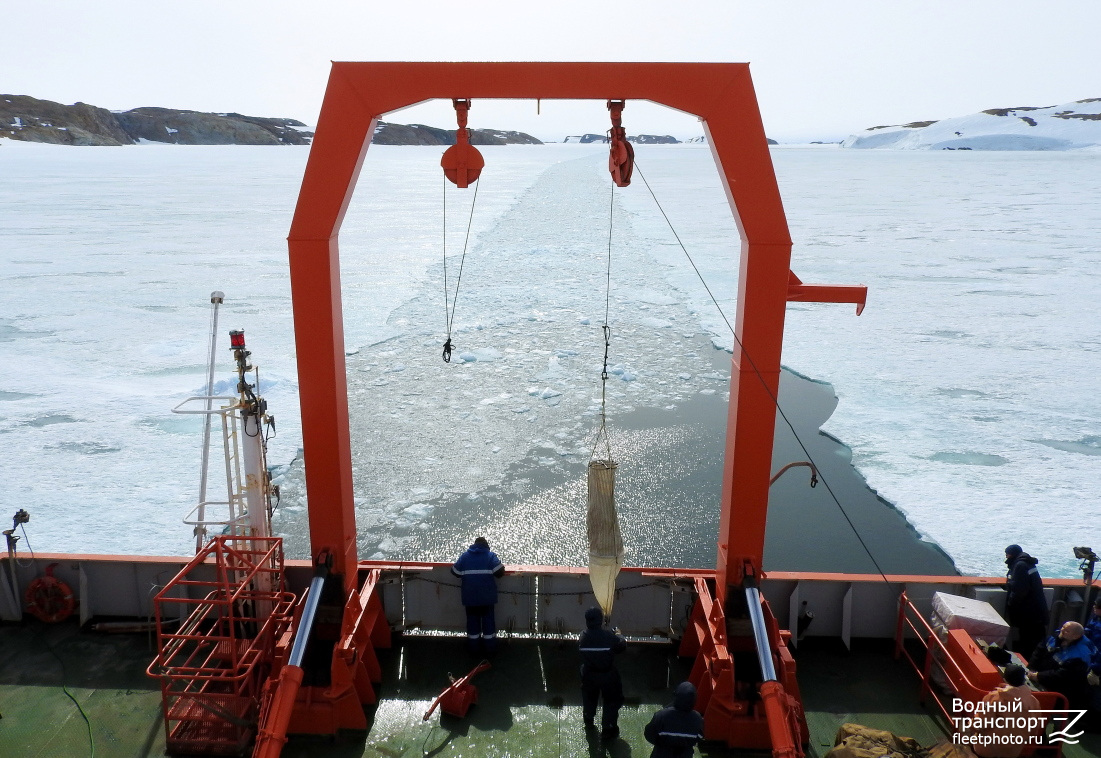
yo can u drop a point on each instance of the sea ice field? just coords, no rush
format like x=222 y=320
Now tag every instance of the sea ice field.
x=966 y=390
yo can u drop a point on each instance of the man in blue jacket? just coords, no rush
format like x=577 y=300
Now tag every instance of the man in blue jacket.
x=599 y=676
x=1026 y=607
x=674 y=731
x=479 y=567
x=1062 y=664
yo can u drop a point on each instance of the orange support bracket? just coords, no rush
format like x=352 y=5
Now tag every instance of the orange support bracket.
x=826 y=293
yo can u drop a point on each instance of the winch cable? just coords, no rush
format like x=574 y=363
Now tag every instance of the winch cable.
x=761 y=378
x=602 y=432
x=449 y=310
x=605 y=540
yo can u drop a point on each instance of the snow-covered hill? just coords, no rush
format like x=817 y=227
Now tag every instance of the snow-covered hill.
x=1057 y=127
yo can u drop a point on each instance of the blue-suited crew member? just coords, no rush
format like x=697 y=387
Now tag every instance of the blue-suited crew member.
x=674 y=731
x=1026 y=606
x=599 y=677
x=479 y=568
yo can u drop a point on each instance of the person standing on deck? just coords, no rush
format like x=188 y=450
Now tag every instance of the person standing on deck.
x=479 y=568
x=599 y=676
x=1026 y=607
x=674 y=731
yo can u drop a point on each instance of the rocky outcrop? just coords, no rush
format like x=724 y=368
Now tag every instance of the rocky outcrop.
x=642 y=139
x=653 y=139
x=32 y=120
x=1070 y=126
x=27 y=118
x=195 y=128
x=419 y=134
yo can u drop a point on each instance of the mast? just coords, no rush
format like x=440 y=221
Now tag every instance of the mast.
x=216 y=299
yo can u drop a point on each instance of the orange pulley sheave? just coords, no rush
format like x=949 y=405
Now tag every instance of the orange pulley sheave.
x=462 y=163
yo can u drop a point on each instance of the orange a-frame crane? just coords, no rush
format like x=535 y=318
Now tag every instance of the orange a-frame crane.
x=722 y=96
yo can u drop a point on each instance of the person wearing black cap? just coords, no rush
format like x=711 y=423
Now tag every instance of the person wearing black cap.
x=1014 y=697
x=479 y=568
x=599 y=676
x=1026 y=607
x=675 y=730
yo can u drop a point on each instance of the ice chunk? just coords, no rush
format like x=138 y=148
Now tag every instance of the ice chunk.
x=554 y=370
x=482 y=354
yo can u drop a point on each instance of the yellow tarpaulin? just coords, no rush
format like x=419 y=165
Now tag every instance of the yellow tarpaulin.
x=605 y=540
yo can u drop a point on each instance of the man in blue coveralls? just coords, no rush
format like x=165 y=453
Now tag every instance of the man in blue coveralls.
x=675 y=731
x=599 y=677
x=479 y=568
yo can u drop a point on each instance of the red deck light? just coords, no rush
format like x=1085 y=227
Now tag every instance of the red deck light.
x=237 y=340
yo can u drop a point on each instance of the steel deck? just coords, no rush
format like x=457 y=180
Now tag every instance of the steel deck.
x=529 y=701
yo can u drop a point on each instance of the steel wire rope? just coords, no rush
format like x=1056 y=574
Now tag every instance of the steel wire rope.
x=602 y=431
x=449 y=311
x=761 y=379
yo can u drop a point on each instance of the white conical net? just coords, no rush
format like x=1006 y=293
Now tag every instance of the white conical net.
x=605 y=541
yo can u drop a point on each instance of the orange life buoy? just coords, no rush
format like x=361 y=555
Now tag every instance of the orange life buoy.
x=48 y=598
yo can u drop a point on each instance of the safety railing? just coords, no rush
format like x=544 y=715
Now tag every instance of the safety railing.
x=213 y=667
x=933 y=657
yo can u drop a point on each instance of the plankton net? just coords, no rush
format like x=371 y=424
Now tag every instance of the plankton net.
x=602 y=522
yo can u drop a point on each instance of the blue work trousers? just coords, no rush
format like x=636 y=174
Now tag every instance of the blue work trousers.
x=481 y=628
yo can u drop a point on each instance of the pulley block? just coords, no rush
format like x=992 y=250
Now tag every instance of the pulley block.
x=462 y=163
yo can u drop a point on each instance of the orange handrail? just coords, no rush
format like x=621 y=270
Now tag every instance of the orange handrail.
x=937 y=655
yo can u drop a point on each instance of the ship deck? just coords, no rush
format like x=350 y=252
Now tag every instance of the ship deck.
x=59 y=687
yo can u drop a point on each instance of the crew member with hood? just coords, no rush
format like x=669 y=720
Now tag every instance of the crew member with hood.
x=1026 y=606
x=675 y=730
x=479 y=567
x=1063 y=663
x=599 y=677
x=1014 y=697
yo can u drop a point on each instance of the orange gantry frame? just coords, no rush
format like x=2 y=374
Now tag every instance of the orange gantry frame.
x=720 y=94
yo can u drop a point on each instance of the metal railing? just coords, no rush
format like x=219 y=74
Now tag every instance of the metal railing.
x=937 y=659
x=213 y=667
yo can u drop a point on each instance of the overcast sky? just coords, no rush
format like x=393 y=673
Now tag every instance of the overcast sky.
x=822 y=70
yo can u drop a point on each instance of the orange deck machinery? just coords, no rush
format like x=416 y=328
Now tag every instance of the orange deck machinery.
x=743 y=666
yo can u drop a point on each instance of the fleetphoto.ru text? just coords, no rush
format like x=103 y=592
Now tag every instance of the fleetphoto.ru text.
x=979 y=723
